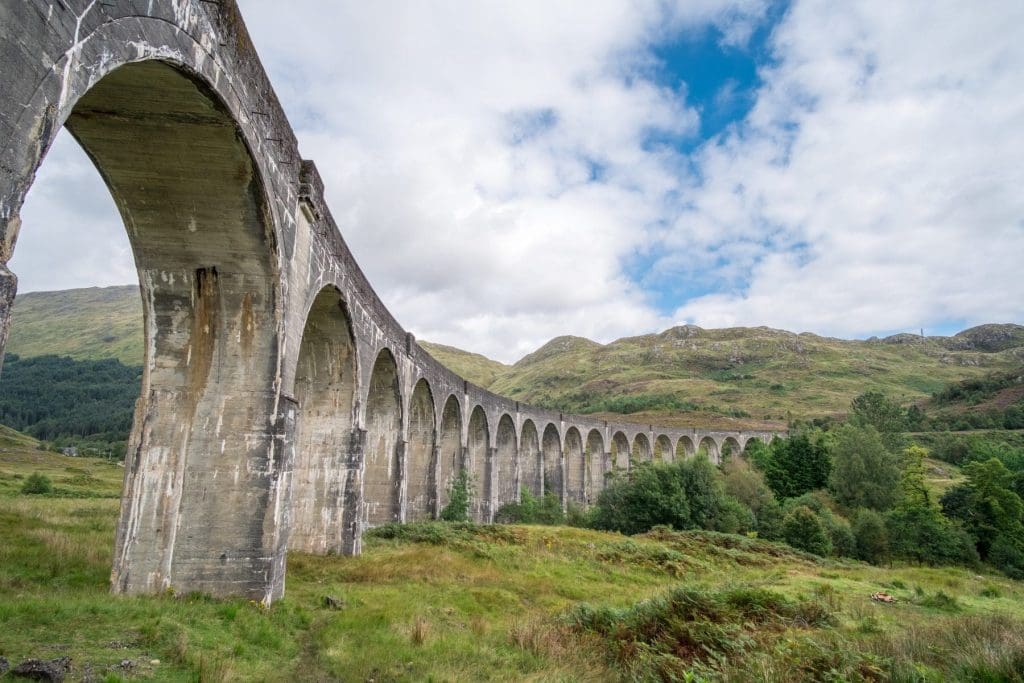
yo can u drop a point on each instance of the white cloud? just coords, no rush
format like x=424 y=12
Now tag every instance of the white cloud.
x=887 y=141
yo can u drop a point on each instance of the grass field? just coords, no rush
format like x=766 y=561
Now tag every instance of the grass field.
x=506 y=603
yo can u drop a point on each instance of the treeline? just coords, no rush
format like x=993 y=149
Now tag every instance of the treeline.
x=83 y=403
x=855 y=489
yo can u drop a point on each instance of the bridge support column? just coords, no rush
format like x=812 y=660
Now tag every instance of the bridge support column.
x=402 y=478
x=352 y=531
x=205 y=507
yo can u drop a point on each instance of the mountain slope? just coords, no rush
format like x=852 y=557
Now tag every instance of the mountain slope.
x=86 y=324
x=729 y=377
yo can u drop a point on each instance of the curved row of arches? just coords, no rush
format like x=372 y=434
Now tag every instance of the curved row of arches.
x=410 y=449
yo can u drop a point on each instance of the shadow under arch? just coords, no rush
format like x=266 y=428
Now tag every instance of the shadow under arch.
x=419 y=454
x=381 y=482
x=326 y=382
x=531 y=460
x=449 y=452
x=207 y=427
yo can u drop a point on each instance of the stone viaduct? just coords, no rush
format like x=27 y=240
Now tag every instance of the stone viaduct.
x=282 y=405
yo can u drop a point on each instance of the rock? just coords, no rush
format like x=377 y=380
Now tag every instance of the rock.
x=4 y=665
x=331 y=602
x=37 y=669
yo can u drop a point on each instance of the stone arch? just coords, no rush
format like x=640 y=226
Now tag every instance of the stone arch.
x=731 y=447
x=663 y=451
x=325 y=391
x=620 y=451
x=641 y=451
x=710 y=447
x=419 y=453
x=381 y=458
x=506 y=462
x=552 y=449
x=595 y=464
x=746 y=442
x=531 y=460
x=205 y=248
x=449 y=451
x=685 y=448
x=575 y=467
x=479 y=464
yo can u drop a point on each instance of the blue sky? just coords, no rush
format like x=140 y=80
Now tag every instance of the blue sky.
x=509 y=172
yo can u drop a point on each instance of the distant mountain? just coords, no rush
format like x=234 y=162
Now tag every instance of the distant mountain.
x=85 y=324
x=738 y=376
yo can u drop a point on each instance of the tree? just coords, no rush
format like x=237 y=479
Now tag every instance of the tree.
x=457 y=509
x=864 y=472
x=747 y=485
x=797 y=465
x=803 y=530
x=872 y=541
x=990 y=507
x=916 y=527
x=876 y=409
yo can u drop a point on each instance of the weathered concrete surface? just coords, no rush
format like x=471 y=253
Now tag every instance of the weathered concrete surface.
x=282 y=405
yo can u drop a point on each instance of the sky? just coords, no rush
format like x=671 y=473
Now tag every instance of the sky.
x=507 y=172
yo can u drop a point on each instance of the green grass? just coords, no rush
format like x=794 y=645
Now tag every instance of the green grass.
x=463 y=602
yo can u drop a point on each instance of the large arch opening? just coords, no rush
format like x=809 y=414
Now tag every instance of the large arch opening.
x=641 y=449
x=731 y=447
x=709 y=447
x=381 y=480
x=202 y=445
x=325 y=390
x=419 y=455
x=531 y=461
x=552 y=445
x=663 y=449
x=479 y=466
x=685 y=448
x=449 y=451
x=575 y=467
x=506 y=464
x=595 y=464
x=620 y=451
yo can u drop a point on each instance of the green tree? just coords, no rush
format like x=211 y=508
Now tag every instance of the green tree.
x=747 y=485
x=797 y=465
x=803 y=529
x=872 y=540
x=917 y=529
x=457 y=509
x=864 y=472
x=876 y=409
x=993 y=509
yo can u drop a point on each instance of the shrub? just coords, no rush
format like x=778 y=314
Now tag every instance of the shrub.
x=37 y=484
x=532 y=510
x=803 y=530
x=457 y=509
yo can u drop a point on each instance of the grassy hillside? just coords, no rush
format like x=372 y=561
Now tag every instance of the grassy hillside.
x=477 y=368
x=729 y=378
x=505 y=603
x=85 y=324
x=753 y=372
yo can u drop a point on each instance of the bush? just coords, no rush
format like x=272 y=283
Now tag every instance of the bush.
x=37 y=484
x=683 y=495
x=803 y=530
x=532 y=510
x=457 y=509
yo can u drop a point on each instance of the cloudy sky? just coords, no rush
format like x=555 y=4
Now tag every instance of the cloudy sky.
x=506 y=172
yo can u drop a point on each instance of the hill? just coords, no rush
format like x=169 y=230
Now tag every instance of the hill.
x=504 y=603
x=727 y=378
x=85 y=324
